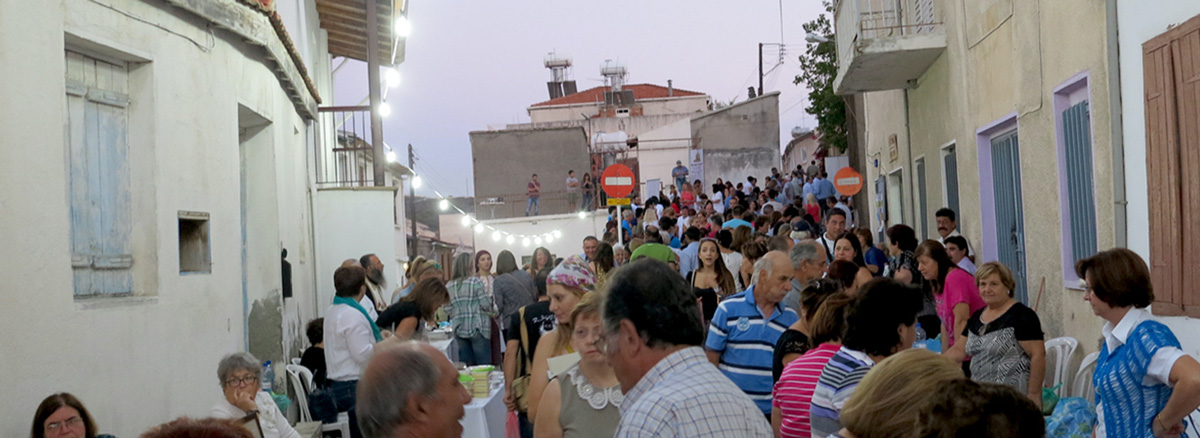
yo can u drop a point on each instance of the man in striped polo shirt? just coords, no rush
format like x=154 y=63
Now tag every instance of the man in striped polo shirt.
x=744 y=330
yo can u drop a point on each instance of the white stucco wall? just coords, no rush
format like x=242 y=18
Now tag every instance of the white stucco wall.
x=1138 y=22
x=352 y=222
x=573 y=231
x=658 y=151
x=140 y=361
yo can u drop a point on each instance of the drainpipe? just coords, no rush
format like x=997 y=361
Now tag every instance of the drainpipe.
x=912 y=191
x=1120 y=218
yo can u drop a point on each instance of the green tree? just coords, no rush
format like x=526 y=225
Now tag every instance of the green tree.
x=818 y=66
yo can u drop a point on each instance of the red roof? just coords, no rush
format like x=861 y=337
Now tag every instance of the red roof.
x=640 y=91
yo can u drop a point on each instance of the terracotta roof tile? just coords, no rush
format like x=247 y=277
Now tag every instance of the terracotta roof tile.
x=640 y=91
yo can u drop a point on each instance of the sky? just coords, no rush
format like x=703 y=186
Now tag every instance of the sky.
x=471 y=65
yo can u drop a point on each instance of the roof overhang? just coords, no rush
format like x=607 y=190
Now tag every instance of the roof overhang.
x=346 y=23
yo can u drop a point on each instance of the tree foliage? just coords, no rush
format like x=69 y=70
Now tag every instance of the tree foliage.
x=818 y=66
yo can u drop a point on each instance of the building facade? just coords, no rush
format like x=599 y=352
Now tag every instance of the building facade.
x=1004 y=112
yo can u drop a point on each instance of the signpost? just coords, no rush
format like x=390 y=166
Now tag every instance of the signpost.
x=617 y=182
x=847 y=181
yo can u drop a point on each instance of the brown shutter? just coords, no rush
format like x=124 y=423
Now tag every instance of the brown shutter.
x=1185 y=50
x=1162 y=162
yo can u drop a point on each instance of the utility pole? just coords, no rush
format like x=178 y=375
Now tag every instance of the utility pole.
x=373 y=90
x=760 y=70
x=412 y=202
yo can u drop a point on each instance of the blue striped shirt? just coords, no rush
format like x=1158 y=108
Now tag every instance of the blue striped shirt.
x=837 y=382
x=746 y=341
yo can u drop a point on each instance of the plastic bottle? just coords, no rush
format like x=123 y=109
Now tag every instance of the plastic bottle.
x=268 y=377
x=920 y=342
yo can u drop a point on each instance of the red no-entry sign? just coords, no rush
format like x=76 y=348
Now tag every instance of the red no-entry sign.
x=617 y=181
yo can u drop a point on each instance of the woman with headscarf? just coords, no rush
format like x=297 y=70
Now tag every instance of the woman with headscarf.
x=583 y=401
x=470 y=311
x=566 y=285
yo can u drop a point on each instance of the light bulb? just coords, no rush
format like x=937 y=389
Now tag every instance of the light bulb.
x=510 y=240
x=391 y=156
x=537 y=240
x=557 y=234
x=582 y=215
x=466 y=221
x=478 y=228
x=403 y=27
x=525 y=242
x=416 y=181
x=549 y=238
x=384 y=109
x=444 y=204
x=496 y=236
x=392 y=76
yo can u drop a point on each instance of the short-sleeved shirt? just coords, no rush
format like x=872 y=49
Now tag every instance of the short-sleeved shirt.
x=959 y=288
x=995 y=347
x=875 y=257
x=538 y=321
x=837 y=383
x=400 y=311
x=533 y=189
x=571 y=189
x=794 y=390
x=791 y=342
x=746 y=340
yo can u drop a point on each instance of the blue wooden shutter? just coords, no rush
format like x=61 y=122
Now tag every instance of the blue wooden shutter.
x=1010 y=216
x=1081 y=202
x=951 y=163
x=97 y=146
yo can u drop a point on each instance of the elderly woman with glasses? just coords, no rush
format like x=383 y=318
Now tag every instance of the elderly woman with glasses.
x=240 y=375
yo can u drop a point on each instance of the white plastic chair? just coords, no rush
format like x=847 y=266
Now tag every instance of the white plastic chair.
x=1082 y=385
x=295 y=361
x=301 y=379
x=1059 y=352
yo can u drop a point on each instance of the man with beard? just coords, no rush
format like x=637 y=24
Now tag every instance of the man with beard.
x=376 y=282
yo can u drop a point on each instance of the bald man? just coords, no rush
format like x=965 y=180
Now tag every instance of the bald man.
x=750 y=319
x=410 y=390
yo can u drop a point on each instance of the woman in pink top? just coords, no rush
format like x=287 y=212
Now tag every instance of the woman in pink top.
x=954 y=289
x=793 y=392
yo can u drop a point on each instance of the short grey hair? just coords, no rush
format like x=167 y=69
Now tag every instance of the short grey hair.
x=395 y=375
x=763 y=264
x=242 y=361
x=804 y=250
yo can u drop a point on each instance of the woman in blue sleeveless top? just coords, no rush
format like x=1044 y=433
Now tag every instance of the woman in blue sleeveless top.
x=1145 y=385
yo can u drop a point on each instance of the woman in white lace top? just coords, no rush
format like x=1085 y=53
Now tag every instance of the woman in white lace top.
x=584 y=400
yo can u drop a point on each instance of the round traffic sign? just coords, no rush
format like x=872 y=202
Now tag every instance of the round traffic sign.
x=617 y=181
x=847 y=181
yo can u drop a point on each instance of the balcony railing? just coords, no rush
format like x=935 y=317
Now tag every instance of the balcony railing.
x=883 y=44
x=345 y=156
x=514 y=204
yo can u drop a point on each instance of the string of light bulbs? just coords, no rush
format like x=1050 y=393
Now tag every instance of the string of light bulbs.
x=470 y=221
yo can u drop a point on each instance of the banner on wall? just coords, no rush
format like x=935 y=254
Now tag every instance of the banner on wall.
x=653 y=187
x=696 y=164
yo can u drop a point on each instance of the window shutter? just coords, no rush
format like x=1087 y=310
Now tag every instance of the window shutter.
x=97 y=145
x=1186 y=53
x=951 y=163
x=1162 y=166
x=1077 y=128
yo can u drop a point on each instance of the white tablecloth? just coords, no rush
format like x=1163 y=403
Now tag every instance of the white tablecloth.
x=449 y=347
x=484 y=417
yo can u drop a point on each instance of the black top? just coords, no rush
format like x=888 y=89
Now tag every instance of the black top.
x=995 y=347
x=391 y=317
x=707 y=297
x=1024 y=321
x=539 y=320
x=314 y=359
x=790 y=342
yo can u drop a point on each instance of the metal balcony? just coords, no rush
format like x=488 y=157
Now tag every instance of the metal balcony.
x=885 y=44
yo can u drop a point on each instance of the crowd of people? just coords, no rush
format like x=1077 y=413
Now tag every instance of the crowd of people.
x=753 y=312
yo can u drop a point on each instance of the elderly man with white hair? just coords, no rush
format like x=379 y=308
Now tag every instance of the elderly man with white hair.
x=410 y=390
x=747 y=322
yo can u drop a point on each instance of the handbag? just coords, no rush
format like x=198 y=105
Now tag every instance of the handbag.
x=520 y=385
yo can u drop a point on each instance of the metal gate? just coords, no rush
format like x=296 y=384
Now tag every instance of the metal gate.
x=1010 y=216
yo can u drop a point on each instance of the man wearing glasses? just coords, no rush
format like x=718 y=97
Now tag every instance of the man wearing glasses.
x=653 y=336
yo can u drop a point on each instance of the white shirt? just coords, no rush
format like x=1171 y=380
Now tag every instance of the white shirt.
x=733 y=262
x=830 y=243
x=274 y=423
x=349 y=343
x=718 y=201
x=376 y=292
x=1159 y=370
x=366 y=304
x=966 y=265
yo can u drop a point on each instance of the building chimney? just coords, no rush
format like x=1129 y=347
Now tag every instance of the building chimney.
x=670 y=88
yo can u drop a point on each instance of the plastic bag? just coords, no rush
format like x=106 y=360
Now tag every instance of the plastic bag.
x=1050 y=399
